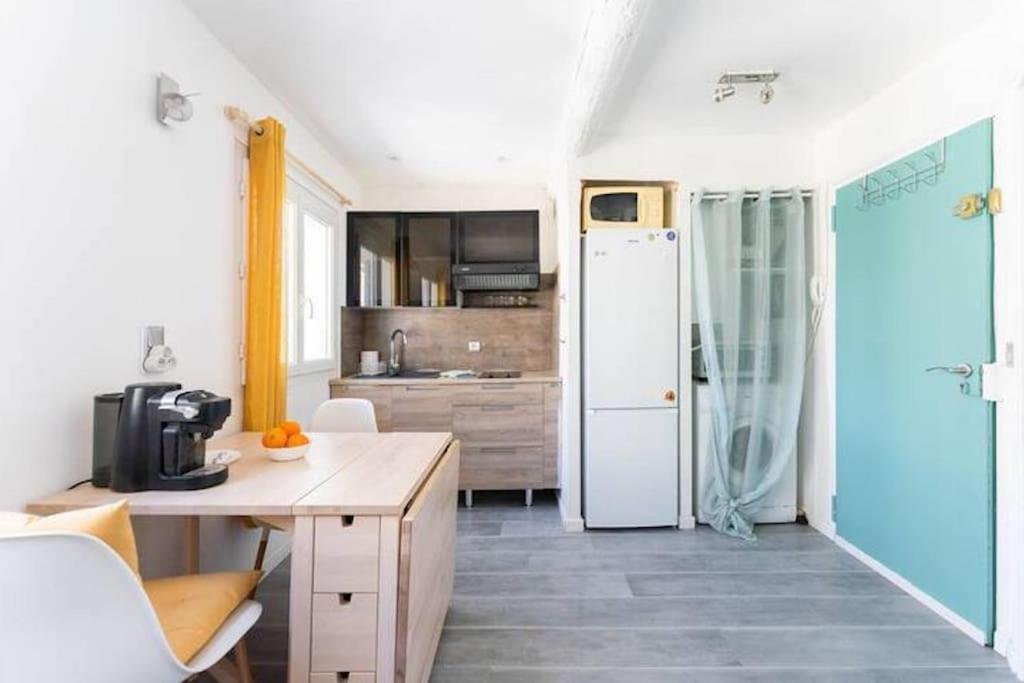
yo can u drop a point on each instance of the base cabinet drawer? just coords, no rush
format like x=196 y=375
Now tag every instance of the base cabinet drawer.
x=344 y=677
x=421 y=408
x=346 y=551
x=499 y=425
x=501 y=467
x=348 y=618
x=498 y=393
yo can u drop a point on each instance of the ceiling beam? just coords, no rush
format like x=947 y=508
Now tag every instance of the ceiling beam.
x=612 y=29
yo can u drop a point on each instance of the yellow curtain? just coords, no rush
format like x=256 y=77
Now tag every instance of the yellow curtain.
x=266 y=373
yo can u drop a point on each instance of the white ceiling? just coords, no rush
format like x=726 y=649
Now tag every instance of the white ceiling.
x=451 y=86
x=832 y=56
x=447 y=86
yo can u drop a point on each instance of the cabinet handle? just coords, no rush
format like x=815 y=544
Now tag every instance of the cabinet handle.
x=496 y=387
x=415 y=388
x=498 y=449
x=496 y=408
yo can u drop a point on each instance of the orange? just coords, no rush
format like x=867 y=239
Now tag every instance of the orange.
x=275 y=438
x=299 y=439
x=291 y=427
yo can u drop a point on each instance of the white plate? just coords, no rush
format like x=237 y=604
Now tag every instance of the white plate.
x=222 y=456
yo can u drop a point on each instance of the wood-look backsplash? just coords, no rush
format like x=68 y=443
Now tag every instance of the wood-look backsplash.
x=510 y=338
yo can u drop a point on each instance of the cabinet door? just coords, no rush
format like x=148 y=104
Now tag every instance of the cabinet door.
x=428 y=249
x=380 y=397
x=426 y=570
x=374 y=271
x=552 y=402
x=421 y=408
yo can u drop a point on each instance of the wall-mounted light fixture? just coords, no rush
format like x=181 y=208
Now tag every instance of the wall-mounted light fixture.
x=726 y=86
x=171 y=103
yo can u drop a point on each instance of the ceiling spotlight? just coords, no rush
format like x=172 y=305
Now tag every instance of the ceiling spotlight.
x=724 y=92
x=726 y=86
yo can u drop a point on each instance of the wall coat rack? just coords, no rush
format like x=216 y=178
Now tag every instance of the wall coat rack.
x=890 y=183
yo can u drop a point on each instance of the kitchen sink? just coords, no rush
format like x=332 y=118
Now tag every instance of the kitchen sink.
x=405 y=374
x=500 y=374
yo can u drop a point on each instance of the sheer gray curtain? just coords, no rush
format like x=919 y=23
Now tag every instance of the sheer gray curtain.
x=750 y=294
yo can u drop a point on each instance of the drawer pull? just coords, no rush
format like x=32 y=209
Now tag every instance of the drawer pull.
x=496 y=408
x=497 y=387
x=344 y=599
x=348 y=520
x=498 y=449
x=342 y=677
x=422 y=388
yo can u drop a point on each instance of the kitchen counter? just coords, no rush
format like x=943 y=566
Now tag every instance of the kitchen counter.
x=508 y=426
x=528 y=377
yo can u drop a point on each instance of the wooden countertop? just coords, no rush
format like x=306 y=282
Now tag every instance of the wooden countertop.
x=342 y=474
x=528 y=377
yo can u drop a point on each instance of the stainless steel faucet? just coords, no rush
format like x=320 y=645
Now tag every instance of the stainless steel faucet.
x=395 y=359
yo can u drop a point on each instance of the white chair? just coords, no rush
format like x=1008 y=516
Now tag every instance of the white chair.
x=344 y=415
x=74 y=611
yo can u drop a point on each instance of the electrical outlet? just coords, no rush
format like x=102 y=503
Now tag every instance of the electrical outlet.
x=474 y=346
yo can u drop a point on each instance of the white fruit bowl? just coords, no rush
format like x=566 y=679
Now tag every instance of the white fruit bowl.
x=283 y=454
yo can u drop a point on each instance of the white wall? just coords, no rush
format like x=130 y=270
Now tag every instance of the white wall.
x=469 y=197
x=113 y=221
x=714 y=162
x=978 y=76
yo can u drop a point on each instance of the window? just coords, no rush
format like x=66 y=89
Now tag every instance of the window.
x=310 y=230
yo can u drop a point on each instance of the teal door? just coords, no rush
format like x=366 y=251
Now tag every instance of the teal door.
x=914 y=479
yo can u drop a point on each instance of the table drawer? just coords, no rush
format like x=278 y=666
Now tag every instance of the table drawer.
x=499 y=425
x=344 y=677
x=504 y=393
x=501 y=467
x=344 y=634
x=346 y=551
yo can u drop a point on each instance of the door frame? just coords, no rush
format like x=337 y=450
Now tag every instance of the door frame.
x=1008 y=322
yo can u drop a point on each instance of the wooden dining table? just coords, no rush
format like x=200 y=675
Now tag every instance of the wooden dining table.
x=373 y=546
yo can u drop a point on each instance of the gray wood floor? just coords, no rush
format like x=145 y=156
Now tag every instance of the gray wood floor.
x=534 y=604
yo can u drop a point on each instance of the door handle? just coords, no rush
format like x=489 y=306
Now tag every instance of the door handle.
x=960 y=369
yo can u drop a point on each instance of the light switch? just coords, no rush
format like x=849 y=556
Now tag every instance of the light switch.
x=474 y=346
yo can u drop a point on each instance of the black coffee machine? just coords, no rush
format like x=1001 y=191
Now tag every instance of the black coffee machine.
x=161 y=438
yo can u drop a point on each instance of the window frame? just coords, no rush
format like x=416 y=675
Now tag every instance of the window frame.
x=307 y=198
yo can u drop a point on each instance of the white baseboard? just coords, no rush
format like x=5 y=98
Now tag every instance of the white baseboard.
x=972 y=631
x=572 y=525
x=688 y=522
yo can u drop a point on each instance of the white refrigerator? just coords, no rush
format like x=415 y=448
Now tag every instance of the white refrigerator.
x=631 y=377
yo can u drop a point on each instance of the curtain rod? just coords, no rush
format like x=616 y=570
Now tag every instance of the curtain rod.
x=776 y=194
x=239 y=115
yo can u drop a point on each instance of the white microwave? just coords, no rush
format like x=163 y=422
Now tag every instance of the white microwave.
x=623 y=207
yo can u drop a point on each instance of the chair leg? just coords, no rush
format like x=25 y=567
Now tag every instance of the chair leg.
x=242 y=662
x=261 y=550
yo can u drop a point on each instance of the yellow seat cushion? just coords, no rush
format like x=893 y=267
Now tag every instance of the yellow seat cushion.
x=191 y=608
x=110 y=523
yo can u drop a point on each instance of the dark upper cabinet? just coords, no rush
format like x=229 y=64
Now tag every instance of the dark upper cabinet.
x=400 y=259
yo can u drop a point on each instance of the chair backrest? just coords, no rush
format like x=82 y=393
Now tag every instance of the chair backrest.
x=73 y=610
x=344 y=415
